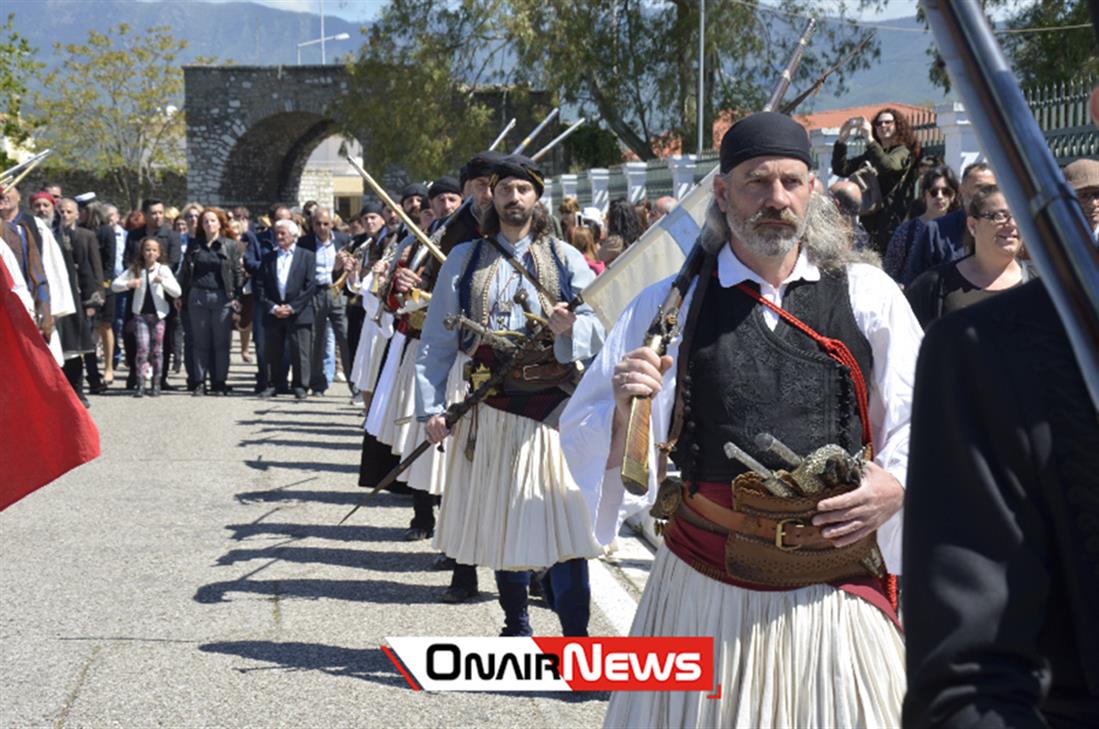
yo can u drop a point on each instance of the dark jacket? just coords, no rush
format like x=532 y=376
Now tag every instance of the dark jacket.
x=168 y=238
x=300 y=285
x=1001 y=523
x=895 y=169
x=942 y=241
x=89 y=266
x=232 y=270
x=309 y=241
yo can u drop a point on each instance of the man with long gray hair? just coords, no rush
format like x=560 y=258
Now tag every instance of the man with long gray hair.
x=795 y=363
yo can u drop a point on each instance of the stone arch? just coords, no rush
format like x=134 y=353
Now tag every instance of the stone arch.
x=251 y=129
x=265 y=164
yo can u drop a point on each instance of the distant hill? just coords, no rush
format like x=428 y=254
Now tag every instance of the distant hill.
x=241 y=32
x=251 y=34
x=899 y=75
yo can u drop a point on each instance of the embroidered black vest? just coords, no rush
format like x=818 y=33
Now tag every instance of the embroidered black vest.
x=743 y=379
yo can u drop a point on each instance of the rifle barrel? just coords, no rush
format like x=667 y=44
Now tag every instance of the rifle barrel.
x=507 y=128
x=791 y=68
x=537 y=130
x=558 y=139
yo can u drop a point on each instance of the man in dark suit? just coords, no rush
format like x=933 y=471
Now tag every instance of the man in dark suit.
x=328 y=308
x=286 y=300
x=257 y=248
x=90 y=278
x=155 y=227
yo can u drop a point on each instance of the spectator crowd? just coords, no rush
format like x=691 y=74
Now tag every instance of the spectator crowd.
x=160 y=290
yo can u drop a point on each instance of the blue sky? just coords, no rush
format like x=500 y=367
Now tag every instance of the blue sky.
x=359 y=10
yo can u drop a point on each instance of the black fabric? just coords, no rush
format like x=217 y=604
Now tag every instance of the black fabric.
x=413 y=190
x=943 y=289
x=1001 y=523
x=148 y=305
x=444 y=184
x=479 y=165
x=372 y=206
x=375 y=461
x=743 y=379
x=767 y=133
x=522 y=167
x=206 y=269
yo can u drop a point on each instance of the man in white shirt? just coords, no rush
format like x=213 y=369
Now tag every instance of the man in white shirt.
x=811 y=643
x=286 y=298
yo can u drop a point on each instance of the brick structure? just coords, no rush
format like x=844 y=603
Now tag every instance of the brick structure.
x=251 y=129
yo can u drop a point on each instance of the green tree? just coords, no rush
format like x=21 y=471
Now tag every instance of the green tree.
x=629 y=63
x=17 y=65
x=109 y=107
x=410 y=101
x=1038 y=57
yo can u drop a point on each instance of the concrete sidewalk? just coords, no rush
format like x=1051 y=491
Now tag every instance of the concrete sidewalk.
x=194 y=575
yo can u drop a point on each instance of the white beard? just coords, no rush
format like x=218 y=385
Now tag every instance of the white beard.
x=767 y=242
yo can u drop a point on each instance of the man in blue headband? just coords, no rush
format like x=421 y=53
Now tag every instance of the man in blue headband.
x=509 y=501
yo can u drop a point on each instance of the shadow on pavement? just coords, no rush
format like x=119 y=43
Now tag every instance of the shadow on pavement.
x=316 y=429
x=368 y=664
x=379 y=561
x=281 y=424
x=262 y=465
x=339 y=533
x=285 y=443
x=386 y=592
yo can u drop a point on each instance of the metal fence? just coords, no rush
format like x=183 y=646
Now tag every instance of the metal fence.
x=1060 y=109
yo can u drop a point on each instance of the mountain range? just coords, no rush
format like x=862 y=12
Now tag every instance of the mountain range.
x=251 y=34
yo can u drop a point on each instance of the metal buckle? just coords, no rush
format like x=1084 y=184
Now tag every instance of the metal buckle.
x=780 y=534
x=523 y=372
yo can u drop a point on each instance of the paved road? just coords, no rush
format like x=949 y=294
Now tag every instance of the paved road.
x=194 y=575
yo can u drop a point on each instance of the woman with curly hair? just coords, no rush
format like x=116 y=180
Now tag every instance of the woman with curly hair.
x=892 y=155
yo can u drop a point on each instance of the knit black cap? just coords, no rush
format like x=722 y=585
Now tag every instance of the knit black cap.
x=413 y=190
x=372 y=206
x=517 y=165
x=479 y=165
x=766 y=134
x=444 y=184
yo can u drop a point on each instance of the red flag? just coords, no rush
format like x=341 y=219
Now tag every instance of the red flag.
x=44 y=429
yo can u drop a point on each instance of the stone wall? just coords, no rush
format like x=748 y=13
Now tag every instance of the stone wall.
x=317 y=185
x=250 y=129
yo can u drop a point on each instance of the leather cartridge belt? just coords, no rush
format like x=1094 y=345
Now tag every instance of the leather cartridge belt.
x=783 y=531
x=532 y=376
x=770 y=540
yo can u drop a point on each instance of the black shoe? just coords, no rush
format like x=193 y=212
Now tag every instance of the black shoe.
x=155 y=392
x=98 y=389
x=84 y=401
x=267 y=392
x=299 y=393
x=167 y=386
x=221 y=389
x=443 y=562
x=454 y=595
x=416 y=534
x=198 y=391
x=140 y=391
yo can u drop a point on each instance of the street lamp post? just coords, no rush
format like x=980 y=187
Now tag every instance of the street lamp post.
x=337 y=37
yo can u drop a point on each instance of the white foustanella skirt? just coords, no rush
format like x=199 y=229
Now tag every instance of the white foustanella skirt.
x=812 y=657
x=384 y=389
x=429 y=471
x=518 y=508
x=400 y=417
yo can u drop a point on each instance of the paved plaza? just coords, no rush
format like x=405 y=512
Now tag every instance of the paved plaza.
x=194 y=575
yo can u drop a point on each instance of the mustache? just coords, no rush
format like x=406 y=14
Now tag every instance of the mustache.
x=769 y=215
